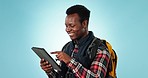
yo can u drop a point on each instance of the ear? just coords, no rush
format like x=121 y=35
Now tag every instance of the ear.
x=85 y=24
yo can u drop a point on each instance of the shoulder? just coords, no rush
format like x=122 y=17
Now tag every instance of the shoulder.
x=66 y=45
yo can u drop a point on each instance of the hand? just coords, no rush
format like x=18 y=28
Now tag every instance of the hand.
x=45 y=66
x=62 y=56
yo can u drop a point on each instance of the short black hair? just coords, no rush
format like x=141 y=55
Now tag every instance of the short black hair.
x=81 y=10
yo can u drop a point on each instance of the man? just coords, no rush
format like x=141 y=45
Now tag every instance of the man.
x=75 y=61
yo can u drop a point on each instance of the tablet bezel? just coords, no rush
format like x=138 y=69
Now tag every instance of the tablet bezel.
x=42 y=53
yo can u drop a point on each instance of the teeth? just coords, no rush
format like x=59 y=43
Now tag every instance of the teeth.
x=71 y=34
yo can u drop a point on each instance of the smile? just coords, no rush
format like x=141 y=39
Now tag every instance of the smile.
x=71 y=34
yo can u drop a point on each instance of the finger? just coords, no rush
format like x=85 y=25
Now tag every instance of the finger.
x=46 y=67
x=49 y=66
x=57 y=56
x=42 y=60
x=60 y=58
x=56 y=52
x=46 y=62
x=43 y=67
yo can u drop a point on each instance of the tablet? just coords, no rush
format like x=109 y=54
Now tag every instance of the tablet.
x=41 y=52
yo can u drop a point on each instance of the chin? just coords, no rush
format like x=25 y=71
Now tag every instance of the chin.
x=73 y=38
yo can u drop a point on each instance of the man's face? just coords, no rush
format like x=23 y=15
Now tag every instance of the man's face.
x=73 y=26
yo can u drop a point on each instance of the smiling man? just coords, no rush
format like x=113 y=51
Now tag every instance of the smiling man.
x=76 y=61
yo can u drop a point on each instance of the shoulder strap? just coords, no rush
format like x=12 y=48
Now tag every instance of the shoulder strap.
x=92 y=48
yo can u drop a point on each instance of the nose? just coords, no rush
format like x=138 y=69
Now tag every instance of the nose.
x=68 y=28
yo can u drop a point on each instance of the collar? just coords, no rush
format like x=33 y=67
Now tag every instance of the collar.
x=85 y=39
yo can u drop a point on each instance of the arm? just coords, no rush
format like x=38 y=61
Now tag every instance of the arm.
x=98 y=67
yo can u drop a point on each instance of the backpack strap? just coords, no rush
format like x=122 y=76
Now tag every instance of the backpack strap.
x=93 y=47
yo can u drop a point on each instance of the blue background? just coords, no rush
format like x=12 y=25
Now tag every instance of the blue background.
x=28 y=23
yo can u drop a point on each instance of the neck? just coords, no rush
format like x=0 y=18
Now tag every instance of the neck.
x=86 y=33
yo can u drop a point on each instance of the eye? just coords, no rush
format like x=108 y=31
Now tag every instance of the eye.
x=66 y=25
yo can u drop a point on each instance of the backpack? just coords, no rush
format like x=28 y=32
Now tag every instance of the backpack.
x=92 y=49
